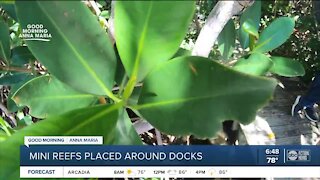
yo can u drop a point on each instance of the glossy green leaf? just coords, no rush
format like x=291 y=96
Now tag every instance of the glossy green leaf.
x=47 y=96
x=121 y=78
x=250 y=28
x=150 y=32
x=21 y=55
x=251 y=17
x=79 y=52
x=125 y=134
x=3 y=135
x=227 y=39
x=4 y=42
x=193 y=95
x=286 y=67
x=275 y=34
x=10 y=79
x=9 y=9
x=256 y=64
x=133 y=100
x=93 y=121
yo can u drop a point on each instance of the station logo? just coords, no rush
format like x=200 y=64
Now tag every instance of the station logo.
x=298 y=155
x=35 y=32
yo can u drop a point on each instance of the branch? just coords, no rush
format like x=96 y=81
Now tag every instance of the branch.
x=142 y=126
x=111 y=23
x=16 y=69
x=97 y=11
x=217 y=19
x=107 y=24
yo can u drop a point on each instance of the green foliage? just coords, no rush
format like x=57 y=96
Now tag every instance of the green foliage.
x=76 y=42
x=80 y=55
x=47 y=96
x=304 y=44
x=21 y=55
x=5 y=127
x=286 y=67
x=4 y=42
x=178 y=97
x=256 y=64
x=14 y=78
x=226 y=40
x=125 y=133
x=144 y=38
x=275 y=34
x=157 y=79
x=11 y=105
x=95 y=121
x=249 y=28
x=249 y=23
x=9 y=9
x=179 y=94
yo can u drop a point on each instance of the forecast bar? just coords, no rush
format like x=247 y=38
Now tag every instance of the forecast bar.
x=169 y=172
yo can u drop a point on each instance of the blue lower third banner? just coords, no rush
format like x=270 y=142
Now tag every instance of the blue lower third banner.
x=100 y=155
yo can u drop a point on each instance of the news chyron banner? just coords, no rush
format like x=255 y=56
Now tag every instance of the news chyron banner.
x=87 y=157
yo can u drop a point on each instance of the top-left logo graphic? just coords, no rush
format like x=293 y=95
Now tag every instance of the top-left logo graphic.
x=35 y=32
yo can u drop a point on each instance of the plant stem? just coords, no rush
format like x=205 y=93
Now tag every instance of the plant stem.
x=16 y=69
x=123 y=82
x=251 y=42
x=129 y=87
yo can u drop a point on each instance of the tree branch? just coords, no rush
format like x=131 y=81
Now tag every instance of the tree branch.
x=217 y=19
x=111 y=23
x=16 y=69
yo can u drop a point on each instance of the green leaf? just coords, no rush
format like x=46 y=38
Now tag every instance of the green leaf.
x=10 y=79
x=47 y=96
x=287 y=67
x=193 y=95
x=9 y=9
x=21 y=55
x=250 y=29
x=3 y=135
x=121 y=76
x=275 y=34
x=93 y=121
x=125 y=134
x=256 y=64
x=251 y=17
x=133 y=100
x=227 y=39
x=150 y=32
x=79 y=52
x=4 y=42
x=11 y=105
